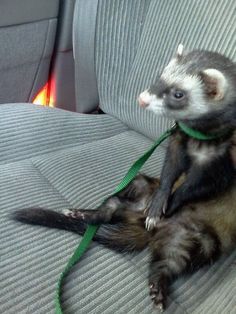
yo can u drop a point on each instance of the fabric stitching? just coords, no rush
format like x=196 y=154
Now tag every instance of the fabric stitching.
x=50 y=183
x=69 y=147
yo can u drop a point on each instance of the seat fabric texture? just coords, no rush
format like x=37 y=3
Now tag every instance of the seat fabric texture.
x=57 y=159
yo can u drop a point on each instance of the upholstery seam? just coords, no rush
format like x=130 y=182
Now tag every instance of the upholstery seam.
x=40 y=61
x=33 y=62
x=46 y=179
x=137 y=131
x=30 y=22
x=72 y=146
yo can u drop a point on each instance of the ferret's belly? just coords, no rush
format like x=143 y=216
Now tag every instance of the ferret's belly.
x=220 y=214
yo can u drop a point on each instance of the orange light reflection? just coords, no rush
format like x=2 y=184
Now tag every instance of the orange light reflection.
x=46 y=96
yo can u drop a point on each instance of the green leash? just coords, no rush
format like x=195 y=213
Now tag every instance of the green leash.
x=132 y=172
x=199 y=135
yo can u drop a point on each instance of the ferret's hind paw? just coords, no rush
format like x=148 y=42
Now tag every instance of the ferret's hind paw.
x=157 y=298
x=87 y=215
x=74 y=213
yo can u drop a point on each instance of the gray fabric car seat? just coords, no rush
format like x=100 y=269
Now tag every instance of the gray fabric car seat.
x=59 y=159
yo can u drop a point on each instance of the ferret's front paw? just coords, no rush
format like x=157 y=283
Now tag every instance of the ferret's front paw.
x=154 y=216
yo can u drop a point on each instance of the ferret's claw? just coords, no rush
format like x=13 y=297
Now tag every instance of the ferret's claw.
x=164 y=208
x=151 y=223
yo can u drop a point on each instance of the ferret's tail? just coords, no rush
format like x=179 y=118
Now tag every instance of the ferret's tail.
x=128 y=236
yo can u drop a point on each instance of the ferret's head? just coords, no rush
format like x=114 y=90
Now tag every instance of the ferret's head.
x=192 y=85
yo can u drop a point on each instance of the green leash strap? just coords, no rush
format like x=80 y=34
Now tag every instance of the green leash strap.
x=80 y=250
x=132 y=172
x=199 y=135
x=92 y=229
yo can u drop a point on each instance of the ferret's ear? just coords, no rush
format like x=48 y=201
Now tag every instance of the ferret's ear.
x=215 y=83
x=180 y=51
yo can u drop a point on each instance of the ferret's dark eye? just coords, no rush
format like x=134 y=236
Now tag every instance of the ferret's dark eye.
x=178 y=94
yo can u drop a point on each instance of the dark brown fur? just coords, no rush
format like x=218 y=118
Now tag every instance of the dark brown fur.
x=204 y=180
x=198 y=90
x=197 y=235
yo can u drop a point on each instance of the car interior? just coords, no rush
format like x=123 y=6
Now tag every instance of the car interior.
x=71 y=127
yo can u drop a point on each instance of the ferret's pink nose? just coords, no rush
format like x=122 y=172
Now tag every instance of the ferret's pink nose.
x=142 y=103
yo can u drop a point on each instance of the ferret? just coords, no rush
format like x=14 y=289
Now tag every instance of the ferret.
x=199 y=90
x=195 y=236
x=197 y=182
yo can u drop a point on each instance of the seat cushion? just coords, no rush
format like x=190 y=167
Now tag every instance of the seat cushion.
x=79 y=171
x=27 y=131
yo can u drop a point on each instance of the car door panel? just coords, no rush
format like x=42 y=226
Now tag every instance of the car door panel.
x=26 y=46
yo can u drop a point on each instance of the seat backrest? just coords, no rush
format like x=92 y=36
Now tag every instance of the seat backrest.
x=135 y=39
